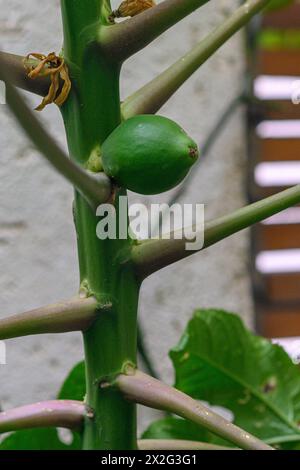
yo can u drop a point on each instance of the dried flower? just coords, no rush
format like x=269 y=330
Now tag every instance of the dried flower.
x=54 y=66
x=132 y=8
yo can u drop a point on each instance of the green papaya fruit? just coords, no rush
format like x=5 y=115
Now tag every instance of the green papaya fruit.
x=148 y=154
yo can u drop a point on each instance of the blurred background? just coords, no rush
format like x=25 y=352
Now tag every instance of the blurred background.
x=274 y=154
x=255 y=152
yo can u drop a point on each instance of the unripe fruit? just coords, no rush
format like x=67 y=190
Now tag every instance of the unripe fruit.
x=148 y=154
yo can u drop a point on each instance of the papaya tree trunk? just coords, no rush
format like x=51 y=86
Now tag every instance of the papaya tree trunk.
x=90 y=115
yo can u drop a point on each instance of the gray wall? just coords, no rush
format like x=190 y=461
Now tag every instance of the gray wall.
x=37 y=242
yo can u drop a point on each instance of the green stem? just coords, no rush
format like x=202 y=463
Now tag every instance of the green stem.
x=151 y=255
x=128 y=37
x=150 y=392
x=150 y=98
x=90 y=114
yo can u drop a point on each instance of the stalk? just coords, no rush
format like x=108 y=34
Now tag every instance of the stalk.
x=90 y=114
x=151 y=255
x=71 y=315
x=147 y=391
x=54 y=413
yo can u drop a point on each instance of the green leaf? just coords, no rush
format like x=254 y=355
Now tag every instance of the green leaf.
x=38 y=439
x=177 y=428
x=277 y=4
x=219 y=361
x=74 y=386
x=274 y=39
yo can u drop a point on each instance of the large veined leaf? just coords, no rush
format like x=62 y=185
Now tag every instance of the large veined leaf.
x=219 y=361
x=73 y=387
x=38 y=439
x=177 y=428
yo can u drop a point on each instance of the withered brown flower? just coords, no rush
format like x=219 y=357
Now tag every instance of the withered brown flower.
x=54 y=66
x=132 y=8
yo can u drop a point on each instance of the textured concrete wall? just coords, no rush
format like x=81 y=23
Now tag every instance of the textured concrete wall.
x=37 y=242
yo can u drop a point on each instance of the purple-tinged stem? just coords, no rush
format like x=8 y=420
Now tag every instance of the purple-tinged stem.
x=71 y=315
x=54 y=413
x=145 y=390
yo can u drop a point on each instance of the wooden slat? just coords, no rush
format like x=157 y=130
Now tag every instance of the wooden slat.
x=281 y=62
x=279 y=322
x=277 y=150
x=277 y=237
x=280 y=287
x=285 y=18
x=257 y=192
x=280 y=110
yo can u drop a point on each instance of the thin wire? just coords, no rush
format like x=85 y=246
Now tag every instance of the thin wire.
x=208 y=144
